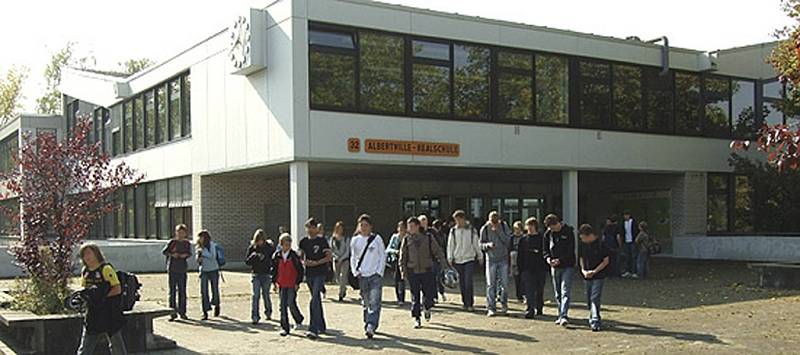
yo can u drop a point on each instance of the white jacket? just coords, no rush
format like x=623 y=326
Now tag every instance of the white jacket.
x=463 y=245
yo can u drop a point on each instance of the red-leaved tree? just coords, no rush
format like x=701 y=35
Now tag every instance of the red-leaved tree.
x=61 y=187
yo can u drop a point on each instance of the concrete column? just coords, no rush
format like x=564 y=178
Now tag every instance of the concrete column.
x=569 y=197
x=298 y=198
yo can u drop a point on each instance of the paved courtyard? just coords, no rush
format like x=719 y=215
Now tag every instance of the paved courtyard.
x=686 y=307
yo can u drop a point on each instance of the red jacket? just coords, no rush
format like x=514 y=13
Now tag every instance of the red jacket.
x=288 y=273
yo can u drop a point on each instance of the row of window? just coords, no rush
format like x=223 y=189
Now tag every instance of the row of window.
x=360 y=70
x=153 y=117
x=743 y=205
x=149 y=210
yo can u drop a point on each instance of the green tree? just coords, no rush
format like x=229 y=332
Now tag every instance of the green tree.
x=11 y=92
x=50 y=102
x=133 y=66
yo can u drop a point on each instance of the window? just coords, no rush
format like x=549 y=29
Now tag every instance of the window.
x=332 y=66
x=772 y=112
x=743 y=204
x=150 y=119
x=115 y=143
x=743 y=104
x=717 y=203
x=430 y=207
x=658 y=101
x=409 y=207
x=476 y=209
x=430 y=83
x=130 y=222
x=175 y=116
x=127 y=119
x=162 y=123
x=382 y=74
x=151 y=210
x=138 y=123
x=552 y=89
x=627 y=97
x=687 y=103
x=186 y=105
x=471 y=81
x=515 y=86
x=717 y=99
x=594 y=103
x=120 y=213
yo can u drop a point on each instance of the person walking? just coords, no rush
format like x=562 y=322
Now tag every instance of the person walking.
x=594 y=260
x=393 y=259
x=496 y=242
x=463 y=253
x=644 y=244
x=369 y=269
x=612 y=237
x=259 y=258
x=177 y=251
x=629 y=233
x=518 y=230
x=532 y=268
x=207 y=255
x=287 y=274
x=340 y=247
x=418 y=252
x=559 y=252
x=438 y=232
x=316 y=253
x=103 y=317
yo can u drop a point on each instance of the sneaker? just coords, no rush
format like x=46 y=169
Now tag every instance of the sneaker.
x=490 y=313
x=341 y=299
x=417 y=323
x=183 y=316
x=312 y=335
x=625 y=274
x=564 y=322
x=205 y=316
x=284 y=332
x=504 y=309
x=558 y=321
x=370 y=331
x=444 y=298
x=529 y=315
x=634 y=276
x=470 y=309
x=401 y=303
x=255 y=321
x=427 y=314
x=216 y=311
x=172 y=317
x=596 y=328
x=268 y=316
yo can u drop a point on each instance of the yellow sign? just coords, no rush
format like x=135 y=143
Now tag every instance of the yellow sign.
x=386 y=146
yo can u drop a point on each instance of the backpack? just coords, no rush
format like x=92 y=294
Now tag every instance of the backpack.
x=653 y=247
x=130 y=289
x=220 y=254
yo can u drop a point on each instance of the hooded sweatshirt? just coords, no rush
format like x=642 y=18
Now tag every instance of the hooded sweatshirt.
x=464 y=245
x=501 y=239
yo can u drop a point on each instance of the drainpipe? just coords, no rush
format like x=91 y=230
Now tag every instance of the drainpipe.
x=664 y=54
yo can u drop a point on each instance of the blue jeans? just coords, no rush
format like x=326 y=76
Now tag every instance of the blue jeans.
x=288 y=303
x=496 y=283
x=209 y=278
x=399 y=285
x=177 y=289
x=562 y=285
x=316 y=283
x=371 y=292
x=465 y=273
x=532 y=285
x=631 y=252
x=643 y=264
x=261 y=285
x=594 y=291
x=423 y=288
x=116 y=345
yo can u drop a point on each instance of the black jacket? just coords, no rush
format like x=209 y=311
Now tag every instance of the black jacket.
x=298 y=265
x=560 y=245
x=530 y=254
x=634 y=229
x=260 y=258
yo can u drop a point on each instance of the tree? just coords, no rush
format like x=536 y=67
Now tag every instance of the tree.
x=133 y=66
x=62 y=188
x=781 y=143
x=11 y=92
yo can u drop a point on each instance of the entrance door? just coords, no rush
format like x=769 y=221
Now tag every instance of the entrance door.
x=652 y=207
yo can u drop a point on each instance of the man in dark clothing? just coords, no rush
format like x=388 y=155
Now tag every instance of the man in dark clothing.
x=317 y=254
x=594 y=260
x=630 y=229
x=532 y=268
x=612 y=235
x=559 y=252
x=177 y=251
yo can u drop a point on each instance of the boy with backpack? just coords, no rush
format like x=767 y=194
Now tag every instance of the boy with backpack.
x=418 y=253
x=287 y=274
x=259 y=258
x=103 y=290
x=177 y=251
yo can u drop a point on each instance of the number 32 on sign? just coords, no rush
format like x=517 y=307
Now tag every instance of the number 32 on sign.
x=386 y=146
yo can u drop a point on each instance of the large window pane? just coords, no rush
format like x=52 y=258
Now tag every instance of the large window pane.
x=127 y=119
x=150 y=118
x=773 y=89
x=431 y=50
x=175 y=192
x=514 y=96
x=332 y=80
x=595 y=99
x=431 y=89
x=515 y=60
x=472 y=81
x=743 y=208
x=151 y=210
x=717 y=203
x=772 y=113
x=175 y=108
x=141 y=211
x=687 y=103
x=138 y=123
x=382 y=72
x=717 y=107
x=658 y=101
x=743 y=116
x=130 y=206
x=162 y=126
x=186 y=106
x=627 y=97
x=331 y=39
x=552 y=89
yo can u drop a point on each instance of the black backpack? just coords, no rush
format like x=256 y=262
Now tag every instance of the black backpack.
x=130 y=289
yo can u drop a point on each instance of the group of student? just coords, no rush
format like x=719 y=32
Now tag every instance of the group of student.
x=417 y=253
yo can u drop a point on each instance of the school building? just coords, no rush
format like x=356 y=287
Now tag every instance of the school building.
x=333 y=108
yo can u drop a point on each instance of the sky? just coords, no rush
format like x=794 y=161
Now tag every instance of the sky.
x=112 y=31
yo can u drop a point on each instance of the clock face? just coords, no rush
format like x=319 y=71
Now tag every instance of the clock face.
x=240 y=43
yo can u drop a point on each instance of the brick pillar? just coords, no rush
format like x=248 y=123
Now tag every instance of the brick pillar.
x=690 y=205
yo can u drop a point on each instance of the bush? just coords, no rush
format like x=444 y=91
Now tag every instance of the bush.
x=39 y=297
